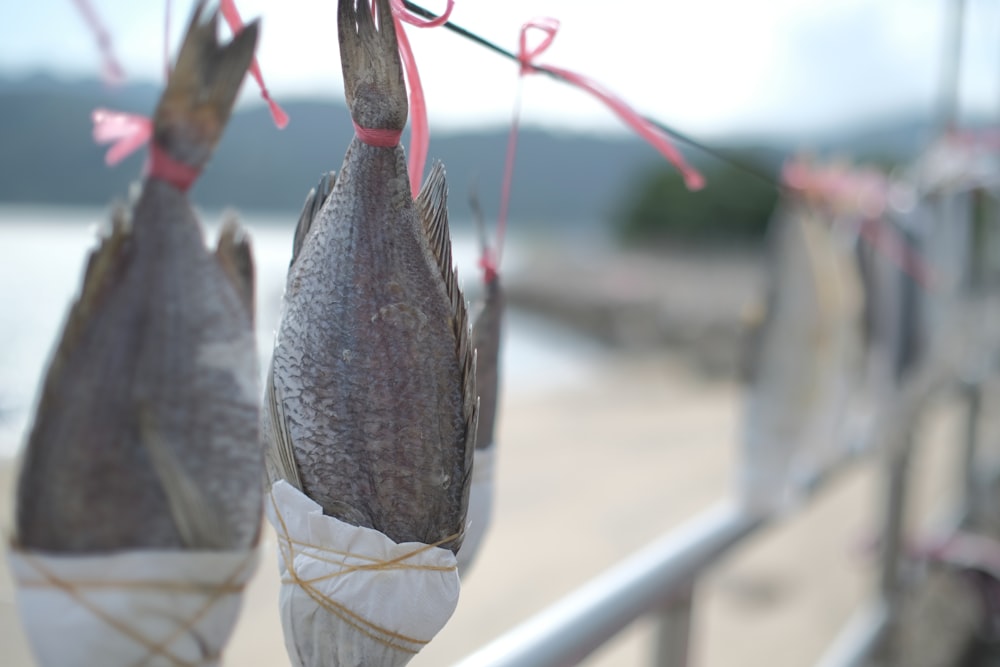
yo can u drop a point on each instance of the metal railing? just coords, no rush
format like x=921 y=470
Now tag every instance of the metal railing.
x=658 y=581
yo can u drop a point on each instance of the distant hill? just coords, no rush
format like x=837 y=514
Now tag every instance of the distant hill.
x=47 y=156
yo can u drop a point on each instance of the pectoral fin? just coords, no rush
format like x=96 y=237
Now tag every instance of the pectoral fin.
x=279 y=452
x=235 y=256
x=198 y=523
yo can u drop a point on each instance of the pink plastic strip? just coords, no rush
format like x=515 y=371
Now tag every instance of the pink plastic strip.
x=111 y=69
x=490 y=261
x=163 y=167
x=419 y=129
x=378 y=138
x=652 y=134
x=232 y=16
x=127 y=133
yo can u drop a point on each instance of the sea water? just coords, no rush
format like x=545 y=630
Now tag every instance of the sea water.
x=42 y=255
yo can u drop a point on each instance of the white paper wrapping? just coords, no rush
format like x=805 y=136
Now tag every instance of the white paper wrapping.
x=350 y=596
x=480 y=507
x=144 y=607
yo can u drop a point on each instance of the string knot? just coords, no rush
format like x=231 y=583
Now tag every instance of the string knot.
x=526 y=56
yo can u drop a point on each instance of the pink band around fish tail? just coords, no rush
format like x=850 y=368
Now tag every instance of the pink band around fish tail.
x=165 y=168
x=379 y=138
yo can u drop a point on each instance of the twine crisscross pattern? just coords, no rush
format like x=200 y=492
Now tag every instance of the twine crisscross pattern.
x=352 y=592
x=142 y=607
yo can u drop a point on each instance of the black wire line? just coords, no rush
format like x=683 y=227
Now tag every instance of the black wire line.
x=676 y=134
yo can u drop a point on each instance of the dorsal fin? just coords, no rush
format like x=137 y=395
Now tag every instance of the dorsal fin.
x=235 y=256
x=432 y=208
x=310 y=209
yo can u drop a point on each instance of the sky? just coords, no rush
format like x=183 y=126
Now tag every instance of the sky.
x=706 y=67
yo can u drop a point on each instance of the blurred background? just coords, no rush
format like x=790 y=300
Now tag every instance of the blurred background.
x=629 y=295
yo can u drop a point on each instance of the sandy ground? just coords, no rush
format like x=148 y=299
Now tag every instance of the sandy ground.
x=587 y=475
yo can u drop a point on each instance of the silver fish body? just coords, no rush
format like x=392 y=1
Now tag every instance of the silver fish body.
x=145 y=435
x=370 y=406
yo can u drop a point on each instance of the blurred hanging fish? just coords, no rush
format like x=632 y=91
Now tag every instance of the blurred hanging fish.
x=486 y=338
x=145 y=434
x=370 y=404
x=806 y=350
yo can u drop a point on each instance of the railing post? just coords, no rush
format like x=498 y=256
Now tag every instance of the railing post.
x=890 y=582
x=673 y=629
x=971 y=489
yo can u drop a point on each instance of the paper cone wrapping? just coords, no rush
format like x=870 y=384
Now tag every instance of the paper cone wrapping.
x=480 y=507
x=351 y=596
x=144 y=607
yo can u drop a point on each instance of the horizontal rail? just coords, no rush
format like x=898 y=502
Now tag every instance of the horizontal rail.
x=859 y=639
x=581 y=622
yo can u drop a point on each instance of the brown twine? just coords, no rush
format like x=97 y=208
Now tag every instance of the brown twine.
x=215 y=594
x=375 y=632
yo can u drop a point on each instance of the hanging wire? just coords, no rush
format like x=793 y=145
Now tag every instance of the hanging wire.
x=676 y=134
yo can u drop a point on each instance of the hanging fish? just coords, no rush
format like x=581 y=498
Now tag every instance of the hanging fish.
x=146 y=433
x=486 y=338
x=370 y=405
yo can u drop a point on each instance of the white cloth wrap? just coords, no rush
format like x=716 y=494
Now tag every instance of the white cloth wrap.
x=480 y=507
x=350 y=596
x=141 y=607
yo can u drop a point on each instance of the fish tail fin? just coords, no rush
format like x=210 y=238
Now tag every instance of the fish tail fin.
x=202 y=89
x=373 y=72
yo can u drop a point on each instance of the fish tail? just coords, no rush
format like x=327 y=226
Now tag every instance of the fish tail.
x=202 y=89
x=373 y=72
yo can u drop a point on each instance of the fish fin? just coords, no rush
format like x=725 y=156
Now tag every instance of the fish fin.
x=486 y=338
x=279 y=450
x=235 y=255
x=201 y=90
x=197 y=522
x=373 y=72
x=432 y=208
x=314 y=204
x=105 y=267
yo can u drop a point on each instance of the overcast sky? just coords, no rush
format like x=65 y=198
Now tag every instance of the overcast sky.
x=707 y=67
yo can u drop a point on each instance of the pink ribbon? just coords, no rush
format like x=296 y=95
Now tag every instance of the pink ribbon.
x=653 y=135
x=111 y=69
x=127 y=133
x=378 y=137
x=232 y=16
x=419 y=130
